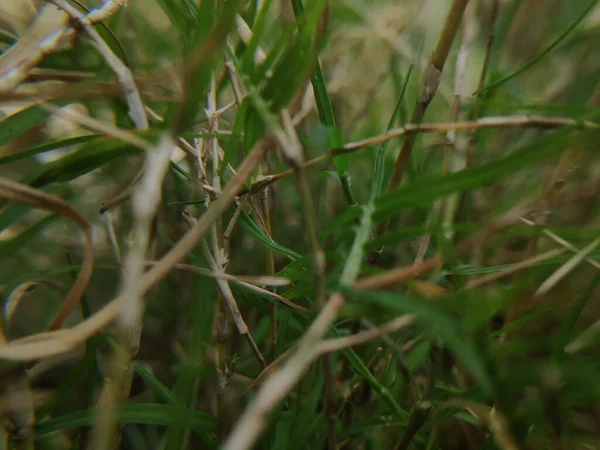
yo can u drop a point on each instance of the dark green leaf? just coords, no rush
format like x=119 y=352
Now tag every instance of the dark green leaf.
x=142 y=413
x=434 y=323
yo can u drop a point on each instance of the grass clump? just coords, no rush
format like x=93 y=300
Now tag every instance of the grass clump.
x=293 y=225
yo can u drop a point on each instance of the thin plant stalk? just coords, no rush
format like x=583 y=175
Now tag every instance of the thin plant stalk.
x=218 y=258
x=427 y=91
x=517 y=121
x=124 y=75
x=484 y=71
x=455 y=139
x=429 y=85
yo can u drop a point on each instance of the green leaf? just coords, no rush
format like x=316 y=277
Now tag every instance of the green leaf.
x=257 y=233
x=155 y=384
x=285 y=420
x=379 y=163
x=89 y=157
x=424 y=191
x=21 y=122
x=311 y=393
x=548 y=49
x=208 y=34
x=335 y=139
x=199 y=323
x=248 y=62
x=434 y=323
x=363 y=371
x=68 y=383
x=296 y=62
x=179 y=15
x=349 y=215
x=142 y=413
x=46 y=148
x=567 y=330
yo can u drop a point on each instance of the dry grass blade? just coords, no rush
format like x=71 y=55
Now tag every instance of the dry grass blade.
x=584 y=339
x=514 y=268
x=100 y=127
x=270 y=369
x=263 y=280
x=562 y=242
x=567 y=267
x=19 y=193
x=278 y=384
x=232 y=305
x=398 y=274
x=47 y=344
x=145 y=204
x=124 y=75
x=485 y=122
x=15 y=297
x=42 y=345
x=515 y=121
x=429 y=85
x=282 y=299
x=108 y=8
x=334 y=345
x=493 y=419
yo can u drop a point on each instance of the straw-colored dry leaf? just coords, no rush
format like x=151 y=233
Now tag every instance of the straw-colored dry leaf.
x=42 y=37
x=17 y=294
x=16 y=15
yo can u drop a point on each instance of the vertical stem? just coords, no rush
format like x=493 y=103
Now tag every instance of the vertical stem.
x=477 y=254
x=222 y=324
x=484 y=71
x=429 y=86
x=455 y=138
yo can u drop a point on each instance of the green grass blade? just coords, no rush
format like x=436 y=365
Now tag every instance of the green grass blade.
x=355 y=257
x=21 y=122
x=257 y=233
x=379 y=163
x=326 y=116
x=434 y=323
x=143 y=413
x=548 y=49
x=89 y=157
x=363 y=371
x=46 y=148
x=424 y=191
x=156 y=385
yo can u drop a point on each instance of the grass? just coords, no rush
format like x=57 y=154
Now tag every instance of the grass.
x=291 y=225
